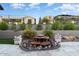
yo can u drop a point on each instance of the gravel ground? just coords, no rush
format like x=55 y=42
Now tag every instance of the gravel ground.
x=66 y=49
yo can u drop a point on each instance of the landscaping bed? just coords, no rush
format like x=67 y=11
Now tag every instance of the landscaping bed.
x=6 y=41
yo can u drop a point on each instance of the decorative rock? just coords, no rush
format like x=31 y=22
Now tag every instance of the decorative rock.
x=45 y=46
x=24 y=45
x=56 y=43
x=58 y=38
x=49 y=46
x=40 y=47
x=30 y=45
x=17 y=39
x=69 y=37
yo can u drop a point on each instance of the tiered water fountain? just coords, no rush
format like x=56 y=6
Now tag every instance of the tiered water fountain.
x=39 y=42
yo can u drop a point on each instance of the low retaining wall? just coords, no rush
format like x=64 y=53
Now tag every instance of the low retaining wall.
x=68 y=32
x=11 y=34
x=33 y=26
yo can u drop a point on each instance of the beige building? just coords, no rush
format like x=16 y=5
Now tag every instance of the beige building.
x=0 y=18
x=26 y=19
x=63 y=18
x=29 y=19
x=50 y=19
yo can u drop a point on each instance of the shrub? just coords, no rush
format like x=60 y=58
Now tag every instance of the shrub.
x=22 y=26
x=39 y=27
x=6 y=41
x=57 y=25
x=29 y=26
x=69 y=26
x=77 y=27
x=3 y=26
x=13 y=26
x=47 y=27
x=28 y=33
x=48 y=33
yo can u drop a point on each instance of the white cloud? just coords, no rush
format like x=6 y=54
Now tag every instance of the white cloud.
x=77 y=6
x=56 y=8
x=50 y=4
x=68 y=8
x=34 y=5
x=26 y=6
x=64 y=12
x=17 y=5
x=72 y=7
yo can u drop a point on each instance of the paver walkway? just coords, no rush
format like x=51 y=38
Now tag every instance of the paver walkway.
x=66 y=49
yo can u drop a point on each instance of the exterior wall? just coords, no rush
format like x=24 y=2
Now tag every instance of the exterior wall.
x=50 y=17
x=10 y=18
x=33 y=20
x=77 y=22
x=0 y=19
x=25 y=19
x=74 y=19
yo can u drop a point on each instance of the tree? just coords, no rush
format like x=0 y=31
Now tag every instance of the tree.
x=57 y=25
x=46 y=20
x=69 y=25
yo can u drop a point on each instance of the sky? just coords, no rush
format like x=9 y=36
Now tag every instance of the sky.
x=39 y=9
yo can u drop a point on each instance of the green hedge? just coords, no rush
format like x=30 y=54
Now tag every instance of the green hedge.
x=70 y=26
x=39 y=27
x=3 y=26
x=6 y=41
x=57 y=25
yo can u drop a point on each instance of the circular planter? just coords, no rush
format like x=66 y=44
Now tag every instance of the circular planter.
x=39 y=42
x=38 y=48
